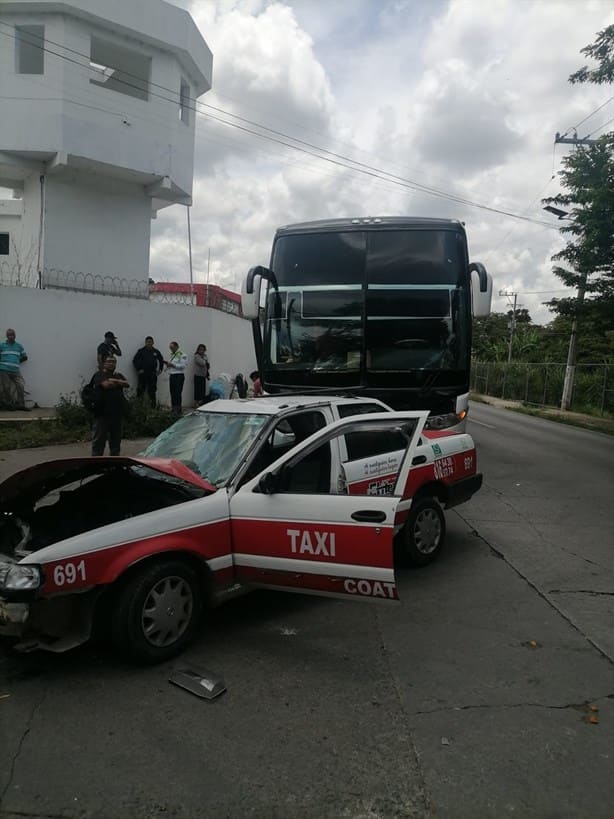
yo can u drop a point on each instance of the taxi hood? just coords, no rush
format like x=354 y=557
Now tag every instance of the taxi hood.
x=52 y=474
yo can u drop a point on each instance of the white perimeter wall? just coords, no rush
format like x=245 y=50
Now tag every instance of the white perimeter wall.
x=61 y=331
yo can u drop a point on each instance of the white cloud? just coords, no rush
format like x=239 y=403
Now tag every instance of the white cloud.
x=461 y=96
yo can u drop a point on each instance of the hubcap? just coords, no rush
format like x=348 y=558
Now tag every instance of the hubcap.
x=167 y=611
x=427 y=531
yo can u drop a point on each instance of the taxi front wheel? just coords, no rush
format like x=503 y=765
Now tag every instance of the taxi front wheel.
x=157 y=611
x=421 y=539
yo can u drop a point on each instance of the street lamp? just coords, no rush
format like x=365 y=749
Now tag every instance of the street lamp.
x=556 y=211
x=570 y=369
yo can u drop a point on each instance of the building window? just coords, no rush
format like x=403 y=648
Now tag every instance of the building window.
x=120 y=69
x=4 y=244
x=30 y=49
x=184 y=102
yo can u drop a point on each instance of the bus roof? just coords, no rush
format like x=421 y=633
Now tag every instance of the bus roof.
x=371 y=223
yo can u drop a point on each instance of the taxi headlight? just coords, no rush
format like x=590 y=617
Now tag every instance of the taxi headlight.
x=19 y=577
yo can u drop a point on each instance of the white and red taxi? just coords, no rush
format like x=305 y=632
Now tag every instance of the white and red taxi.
x=296 y=493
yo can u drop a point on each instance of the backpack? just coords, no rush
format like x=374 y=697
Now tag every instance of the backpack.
x=89 y=396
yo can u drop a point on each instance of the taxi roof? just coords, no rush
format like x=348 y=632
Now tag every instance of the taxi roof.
x=272 y=404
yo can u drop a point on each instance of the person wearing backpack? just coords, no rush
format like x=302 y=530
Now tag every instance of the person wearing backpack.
x=109 y=405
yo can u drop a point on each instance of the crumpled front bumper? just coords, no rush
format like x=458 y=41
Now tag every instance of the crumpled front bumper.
x=13 y=618
x=56 y=623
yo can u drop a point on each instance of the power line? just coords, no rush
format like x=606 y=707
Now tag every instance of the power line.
x=281 y=139
x=588 y=116
x=600 y=127
x=525 y=210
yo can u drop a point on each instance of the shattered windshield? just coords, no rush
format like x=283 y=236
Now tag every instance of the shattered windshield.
x=211 y=444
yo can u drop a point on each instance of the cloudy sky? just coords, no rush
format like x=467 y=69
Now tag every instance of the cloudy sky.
x=460 y=96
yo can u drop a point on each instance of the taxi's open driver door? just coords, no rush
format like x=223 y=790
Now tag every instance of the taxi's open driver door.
x=289 y=532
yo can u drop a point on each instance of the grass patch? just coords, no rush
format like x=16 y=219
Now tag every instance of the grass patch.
x=478 y=399
x=594 y=424
x=73 y=425
x=26 y=434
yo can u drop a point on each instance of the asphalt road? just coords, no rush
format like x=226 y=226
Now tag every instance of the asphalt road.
x=470 y=699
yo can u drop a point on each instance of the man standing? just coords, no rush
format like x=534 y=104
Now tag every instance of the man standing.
x=176 y=366
x=108 y=347
x=12 y=355
x=148 y=362
x=108 y=407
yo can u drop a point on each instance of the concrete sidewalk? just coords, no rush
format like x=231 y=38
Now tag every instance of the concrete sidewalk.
x=39 y=413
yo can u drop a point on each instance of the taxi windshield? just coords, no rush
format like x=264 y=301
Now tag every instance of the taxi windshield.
x=211 y=444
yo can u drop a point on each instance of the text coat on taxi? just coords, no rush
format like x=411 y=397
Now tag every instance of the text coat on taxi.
x=301 y=493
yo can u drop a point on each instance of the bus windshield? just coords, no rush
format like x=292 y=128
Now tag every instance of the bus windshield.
x=373 y=301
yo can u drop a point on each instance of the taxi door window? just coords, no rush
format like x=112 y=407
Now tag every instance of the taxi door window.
x=363 y=445
x=286 y=434
x=310 y=475
x=373 y=460
x=367 y=444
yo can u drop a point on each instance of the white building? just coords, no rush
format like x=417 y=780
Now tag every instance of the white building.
x=96 y=131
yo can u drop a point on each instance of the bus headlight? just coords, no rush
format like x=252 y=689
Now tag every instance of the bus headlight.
x=445 y=421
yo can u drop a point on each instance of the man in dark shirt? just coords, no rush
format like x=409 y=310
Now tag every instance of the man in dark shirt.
x=108 y=347
x=148 y=362
x=108 y=407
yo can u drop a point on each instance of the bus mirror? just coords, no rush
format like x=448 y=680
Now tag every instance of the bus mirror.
x=250 y=293
x=481 y=289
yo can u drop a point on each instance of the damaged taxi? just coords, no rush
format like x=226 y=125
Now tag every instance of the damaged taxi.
x=296 y=493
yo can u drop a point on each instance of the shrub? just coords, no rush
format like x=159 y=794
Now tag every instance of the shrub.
x=71 y=414
x=73 y=424
x=144 y=421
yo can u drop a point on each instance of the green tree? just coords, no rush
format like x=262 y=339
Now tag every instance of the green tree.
x=587 y=260
x=491 y=336
x=602 y=50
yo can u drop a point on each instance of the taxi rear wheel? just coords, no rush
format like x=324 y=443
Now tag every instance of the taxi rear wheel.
x=422 y=538
x=157 y=611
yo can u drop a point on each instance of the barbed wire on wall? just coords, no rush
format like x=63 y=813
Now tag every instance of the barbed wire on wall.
x=53 y=279
x=197 y=295
x=14 y=275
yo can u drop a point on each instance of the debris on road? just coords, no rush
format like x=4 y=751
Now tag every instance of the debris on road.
x=206 y=684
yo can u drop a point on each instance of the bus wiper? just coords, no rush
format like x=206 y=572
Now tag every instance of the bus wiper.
x=427 y=387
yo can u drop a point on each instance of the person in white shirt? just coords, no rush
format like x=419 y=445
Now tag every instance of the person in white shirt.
x=176 y=365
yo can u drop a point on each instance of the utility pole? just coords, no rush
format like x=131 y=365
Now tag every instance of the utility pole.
x=207 y=302
x=190 y=257
x=570 y=369
x=512 y=322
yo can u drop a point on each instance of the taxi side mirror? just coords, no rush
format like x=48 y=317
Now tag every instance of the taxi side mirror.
x=269 y=483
